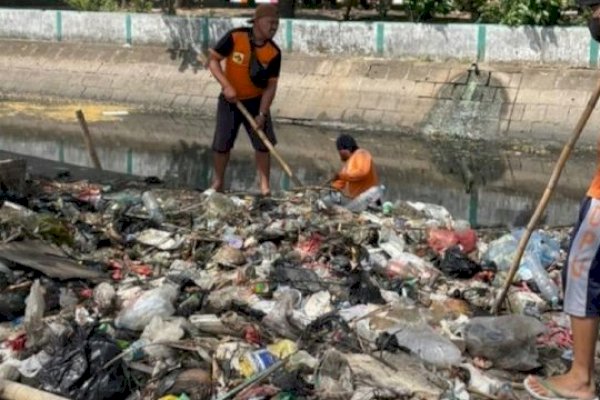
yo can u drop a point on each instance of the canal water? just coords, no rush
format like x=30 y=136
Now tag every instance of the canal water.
x=485 y=181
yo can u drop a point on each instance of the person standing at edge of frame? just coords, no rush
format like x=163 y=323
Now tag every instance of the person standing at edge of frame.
x=252 y=65
x=581 y=279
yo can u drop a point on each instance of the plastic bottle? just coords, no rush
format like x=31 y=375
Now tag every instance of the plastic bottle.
x=152 y=207
x=135 y=351
x=532 y=269
x=367 y=198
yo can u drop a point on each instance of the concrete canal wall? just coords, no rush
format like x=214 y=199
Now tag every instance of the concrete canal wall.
x=478 y=80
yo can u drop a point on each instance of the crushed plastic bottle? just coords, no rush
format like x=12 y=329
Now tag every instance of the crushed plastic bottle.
x=531 y=269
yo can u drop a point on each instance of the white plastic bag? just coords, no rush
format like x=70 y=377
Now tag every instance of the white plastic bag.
x=34 y=313
x=156 y=302
x=159 y=331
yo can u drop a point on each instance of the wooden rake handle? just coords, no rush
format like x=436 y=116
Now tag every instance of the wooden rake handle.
x=261 y=134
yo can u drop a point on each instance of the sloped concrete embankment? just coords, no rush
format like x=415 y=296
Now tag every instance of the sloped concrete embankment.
x=488 y=100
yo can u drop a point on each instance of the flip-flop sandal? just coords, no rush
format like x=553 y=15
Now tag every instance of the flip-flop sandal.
x=554 y=394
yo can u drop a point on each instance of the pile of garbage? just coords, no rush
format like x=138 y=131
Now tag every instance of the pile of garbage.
x=171 y=294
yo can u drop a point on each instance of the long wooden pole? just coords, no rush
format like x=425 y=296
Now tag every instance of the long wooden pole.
x=564 y=156
x=268 y=143
x=87 y=138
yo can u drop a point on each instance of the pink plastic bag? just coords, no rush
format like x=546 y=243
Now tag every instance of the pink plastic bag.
x=442 y=239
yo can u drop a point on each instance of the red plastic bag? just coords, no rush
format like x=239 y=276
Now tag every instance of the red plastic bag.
x=441 y=240
x=467 y=240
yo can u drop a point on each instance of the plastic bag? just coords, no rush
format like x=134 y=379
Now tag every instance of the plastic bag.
x=508 y=341
x=318 y=305
x=77 y=368
x=541 y=251
x=442 y=239
x=155 y=302
x=159 y=331
x=456 y=264
x=526 y=303
x=334 y=376
x=104 y=296
x=425 y=343
x=433 y=211
x=34 y=312
x=278 y=320
x=410 y=266
x=305 y=280
x=541 y=246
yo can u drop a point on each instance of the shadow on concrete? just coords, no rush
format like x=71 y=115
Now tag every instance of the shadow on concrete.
x=463 y=125
x=186 y=41
x=538 y=36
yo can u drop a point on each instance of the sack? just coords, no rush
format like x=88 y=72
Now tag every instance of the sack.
x=259 y=75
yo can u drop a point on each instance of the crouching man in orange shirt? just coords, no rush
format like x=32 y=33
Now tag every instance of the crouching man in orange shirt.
x=356 y=176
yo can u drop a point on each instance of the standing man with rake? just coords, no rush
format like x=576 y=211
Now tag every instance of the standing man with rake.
x=252 y=64
x=581 y=279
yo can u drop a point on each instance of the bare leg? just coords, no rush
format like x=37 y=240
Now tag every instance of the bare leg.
x=220 y=161
x=263 y=166
x=579 y=381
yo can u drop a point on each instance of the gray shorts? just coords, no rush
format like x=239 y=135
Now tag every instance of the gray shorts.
x=581 y=274
x=229 y=119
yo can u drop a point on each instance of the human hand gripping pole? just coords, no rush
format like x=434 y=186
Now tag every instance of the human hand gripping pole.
x=267 y=143
x=564 y=156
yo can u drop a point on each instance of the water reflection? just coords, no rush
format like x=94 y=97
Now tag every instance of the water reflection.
x=504 y=183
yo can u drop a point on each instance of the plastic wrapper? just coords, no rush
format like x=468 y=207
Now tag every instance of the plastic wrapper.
x=104 y=296
x=508 y=341
x=34 y=312
x=156 y=302
x=426 y=344
x=410 y=266
x=160 y=330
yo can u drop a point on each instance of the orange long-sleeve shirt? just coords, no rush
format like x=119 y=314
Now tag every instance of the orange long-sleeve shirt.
x=357 y=175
